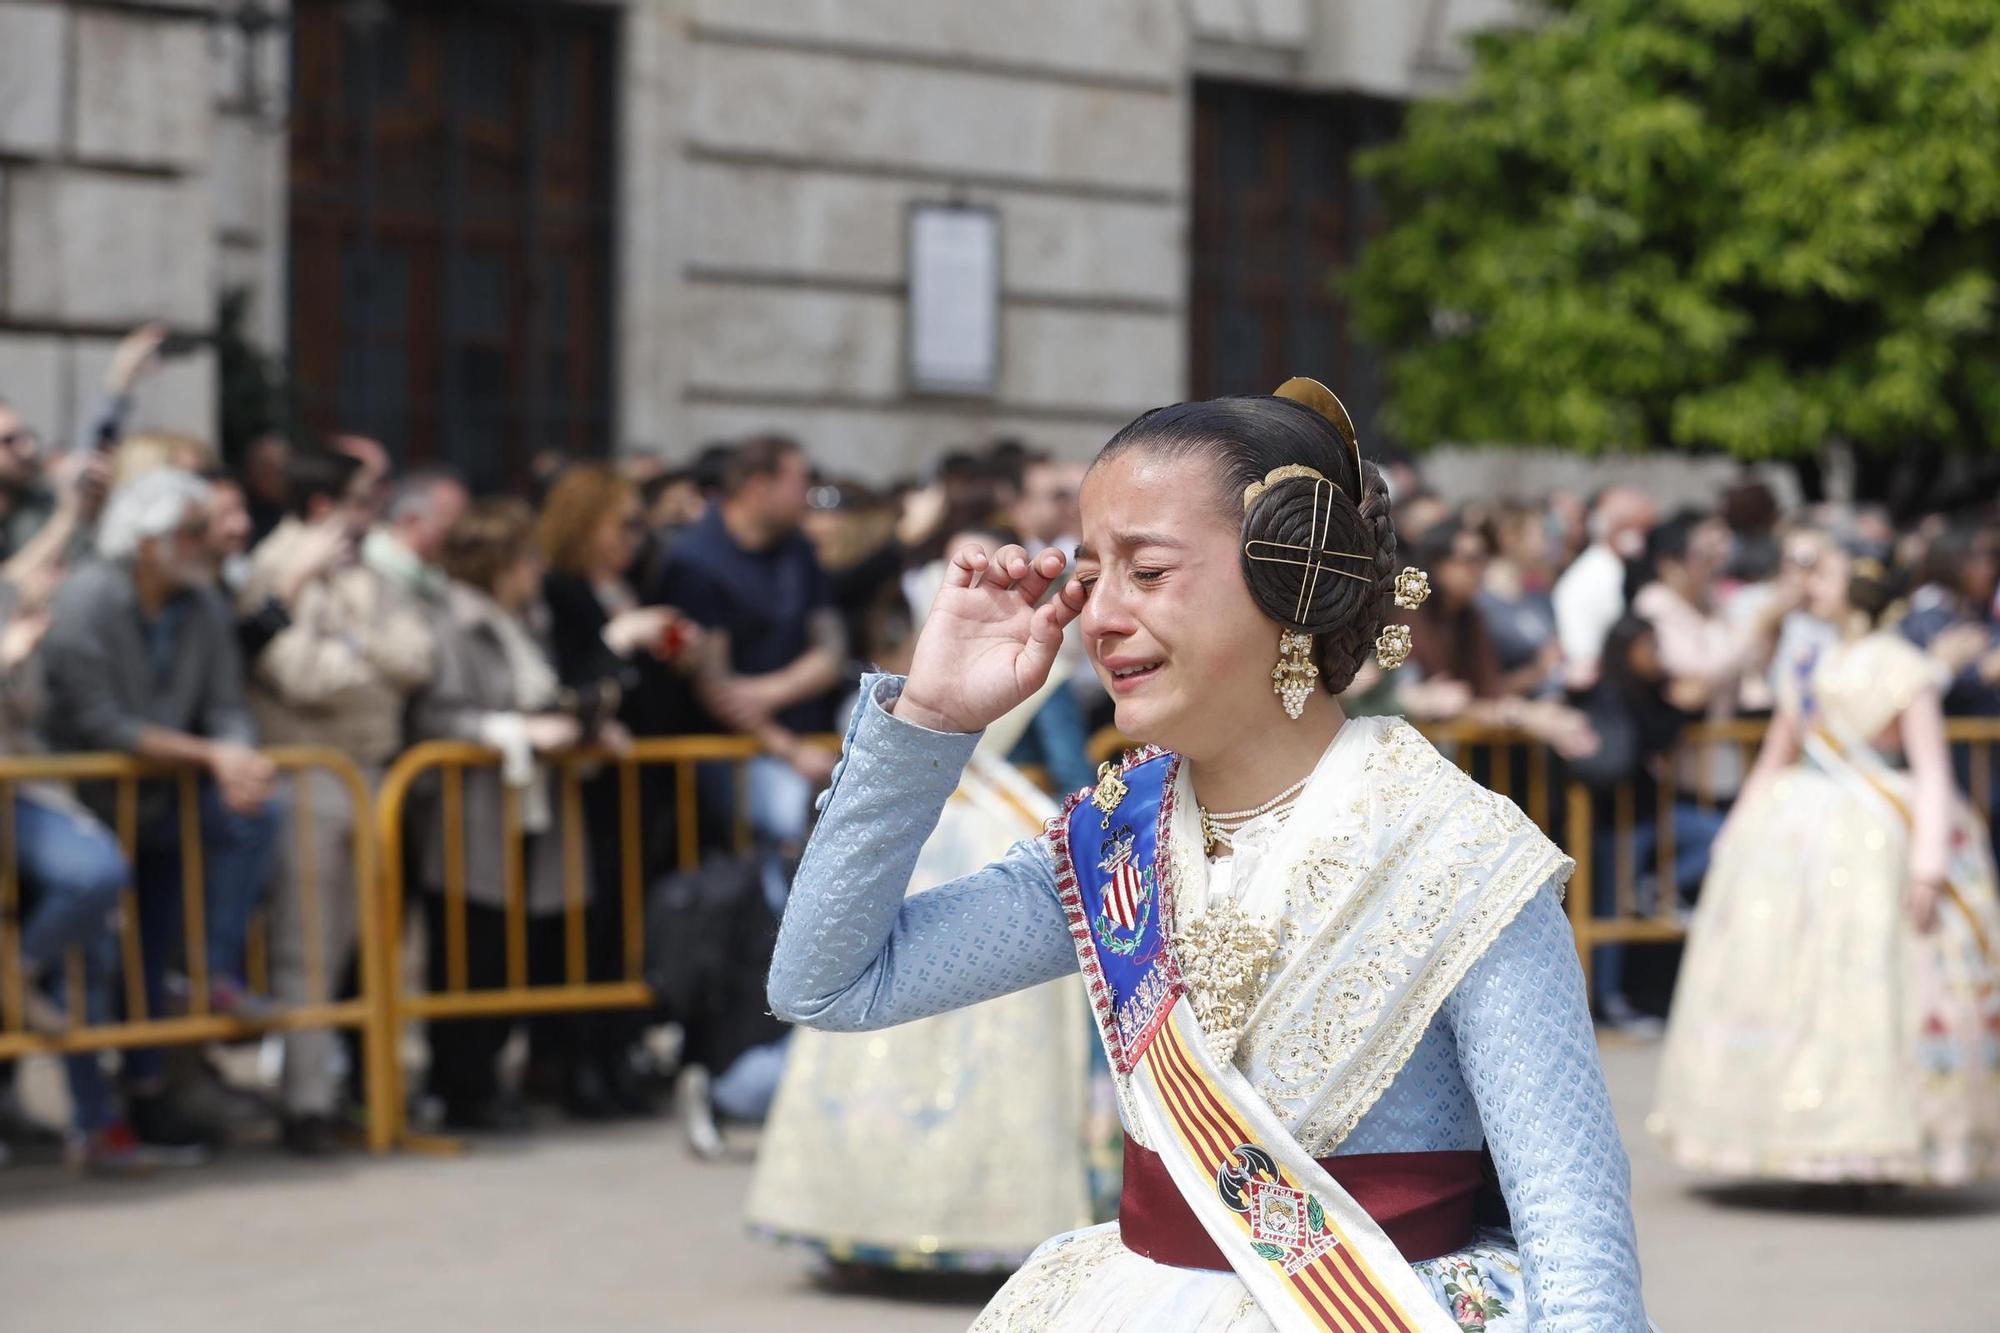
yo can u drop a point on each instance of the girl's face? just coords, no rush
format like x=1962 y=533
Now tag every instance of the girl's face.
x=1826 y=586
x=1170 y=626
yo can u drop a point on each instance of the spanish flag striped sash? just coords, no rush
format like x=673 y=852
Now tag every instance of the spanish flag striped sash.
x=1309 y=1254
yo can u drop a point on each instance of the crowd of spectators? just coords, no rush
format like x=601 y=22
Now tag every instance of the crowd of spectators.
x=154 y=604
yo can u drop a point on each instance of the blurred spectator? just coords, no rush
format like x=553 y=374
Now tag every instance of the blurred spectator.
x=1951 y=615
x=1590 y=595
x=776 y=651
x=1417 y=516
x=266 y=468
x=71 y=874
x=229 y=533
x=81 y=482
x=674 y=502
x=1454 y=668
x=590 y=530
x=372 y=486
x=1452 y=645
x=1954 y=617
x=1637 y=728
x=493 y=684
x=1569 y=526
x=136 y=455
x=1047 y=514
x=1517 y=606
x=1702 y=652
x=620 y=659
x=408 y=550
x=774 y=655
x=710 y=469
x=1750 y=510
x=34 y=483
x=853 y=532
x=337 y=674
x=142 y=659
x=26 y=500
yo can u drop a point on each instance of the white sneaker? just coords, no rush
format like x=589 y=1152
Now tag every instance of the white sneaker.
x=698 y=1114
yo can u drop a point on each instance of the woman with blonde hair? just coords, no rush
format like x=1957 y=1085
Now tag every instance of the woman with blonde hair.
x=617 y=657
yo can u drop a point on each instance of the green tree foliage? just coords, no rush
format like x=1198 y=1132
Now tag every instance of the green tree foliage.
x=1753 y=225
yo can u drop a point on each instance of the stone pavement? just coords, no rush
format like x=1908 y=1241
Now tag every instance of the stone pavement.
x=616 y=1231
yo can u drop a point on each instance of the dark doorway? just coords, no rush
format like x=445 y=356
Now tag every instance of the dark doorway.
x=1277 y=211
x=451 y=228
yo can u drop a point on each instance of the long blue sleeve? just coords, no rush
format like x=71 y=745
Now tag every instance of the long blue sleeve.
x=853 y=953
x=1526 y=1050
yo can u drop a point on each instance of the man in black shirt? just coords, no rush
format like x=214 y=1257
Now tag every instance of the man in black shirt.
x=772 y=658
x=776 y=650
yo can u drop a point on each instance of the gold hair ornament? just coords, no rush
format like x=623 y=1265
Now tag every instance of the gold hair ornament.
x=1392 y=646
x=1311 y=393
x=1413 y=588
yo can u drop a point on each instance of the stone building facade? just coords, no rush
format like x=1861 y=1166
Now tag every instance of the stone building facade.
x=716 y=198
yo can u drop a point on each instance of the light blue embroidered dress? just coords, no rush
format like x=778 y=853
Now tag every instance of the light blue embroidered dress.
x=1508 y=1060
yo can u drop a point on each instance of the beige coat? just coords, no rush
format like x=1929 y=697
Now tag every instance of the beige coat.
x=341 y=673
x=479 y=692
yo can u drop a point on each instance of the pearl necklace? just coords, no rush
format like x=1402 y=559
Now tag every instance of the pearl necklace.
x=1217 y=827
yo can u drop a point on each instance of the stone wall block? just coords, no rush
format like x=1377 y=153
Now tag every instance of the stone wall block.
x=34 y=78
x=1126 y=39
x=954 y=123
x=87 y=248
x=795 y=342
x=142 y=90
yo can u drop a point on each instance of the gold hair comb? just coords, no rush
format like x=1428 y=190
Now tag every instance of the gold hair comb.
x=1311 y=393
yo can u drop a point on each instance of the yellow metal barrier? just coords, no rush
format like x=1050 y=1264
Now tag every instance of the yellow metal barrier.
x=449 y=761
x=142 y=1029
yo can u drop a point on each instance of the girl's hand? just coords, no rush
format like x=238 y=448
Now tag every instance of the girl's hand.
x=987 y=646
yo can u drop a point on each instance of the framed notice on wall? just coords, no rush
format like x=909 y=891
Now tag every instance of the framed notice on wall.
x=954 y=299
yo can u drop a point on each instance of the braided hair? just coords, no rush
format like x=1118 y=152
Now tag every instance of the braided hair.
x=1343 y=603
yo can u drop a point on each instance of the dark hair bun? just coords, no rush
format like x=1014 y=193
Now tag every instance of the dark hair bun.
x=1342 y=603
x=1308 y=555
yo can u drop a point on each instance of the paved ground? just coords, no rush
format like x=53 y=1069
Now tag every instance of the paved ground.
x=611 y=1231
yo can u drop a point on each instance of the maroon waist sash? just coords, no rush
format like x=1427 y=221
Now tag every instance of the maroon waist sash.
x=1423 y=1200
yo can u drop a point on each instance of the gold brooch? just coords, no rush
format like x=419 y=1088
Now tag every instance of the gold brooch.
x=1110 y=790
x=1392 y=646
x=1413 y=588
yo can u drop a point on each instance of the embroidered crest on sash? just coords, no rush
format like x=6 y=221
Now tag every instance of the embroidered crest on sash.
x=1127 y=904
x=1112 y=880
x=1287 y=1225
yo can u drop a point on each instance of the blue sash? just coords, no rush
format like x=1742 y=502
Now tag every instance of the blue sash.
x=1114 y=879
